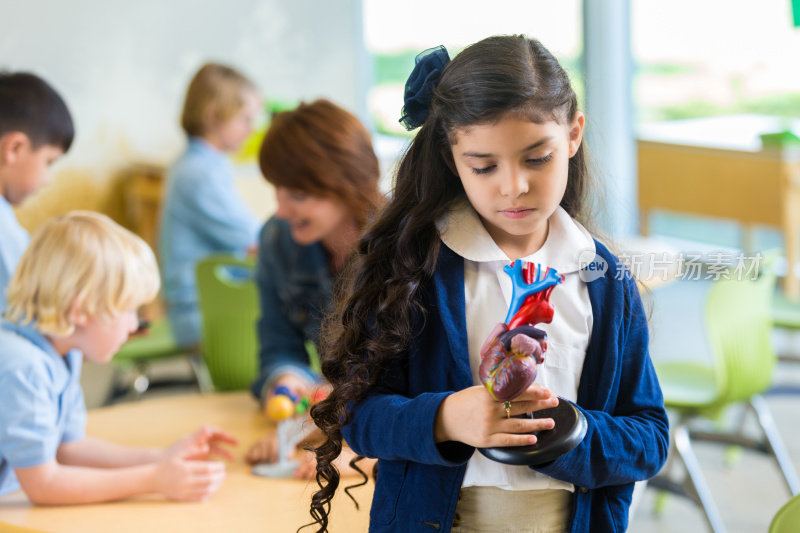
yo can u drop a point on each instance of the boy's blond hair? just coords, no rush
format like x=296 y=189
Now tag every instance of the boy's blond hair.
x=214 y=95
x=83 y=258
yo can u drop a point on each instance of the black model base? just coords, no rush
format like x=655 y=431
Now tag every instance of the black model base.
x=568 y=432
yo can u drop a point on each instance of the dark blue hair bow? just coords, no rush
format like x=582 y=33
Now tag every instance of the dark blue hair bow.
x=419 y=87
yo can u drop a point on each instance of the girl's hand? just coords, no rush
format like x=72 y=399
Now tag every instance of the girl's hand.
x=471 y=416
x=203 y=443
x=264 y=450
x=179 y=479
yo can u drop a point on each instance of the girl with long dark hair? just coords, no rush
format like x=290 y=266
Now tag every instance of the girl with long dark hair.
x=496 y=173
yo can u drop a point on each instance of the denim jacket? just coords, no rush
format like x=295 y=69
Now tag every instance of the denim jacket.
x=295 y=289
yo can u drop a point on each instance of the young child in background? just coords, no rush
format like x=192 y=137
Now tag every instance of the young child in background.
x=320 y=160
x=75 y=295
x=203 y=213
x=35 y=130
x=496 y=173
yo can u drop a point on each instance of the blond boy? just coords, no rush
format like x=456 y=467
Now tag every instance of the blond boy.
x=74 y=294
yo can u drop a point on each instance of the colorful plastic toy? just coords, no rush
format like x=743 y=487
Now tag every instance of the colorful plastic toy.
x=289 y=413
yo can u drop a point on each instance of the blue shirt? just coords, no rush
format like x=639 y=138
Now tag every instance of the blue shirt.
x=419 y=480
x=295 y=289
x=13 y=242
x=41 y=399
x=203 y=214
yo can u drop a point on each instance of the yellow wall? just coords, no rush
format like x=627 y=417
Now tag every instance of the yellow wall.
x=70 y=189
x=130 y=195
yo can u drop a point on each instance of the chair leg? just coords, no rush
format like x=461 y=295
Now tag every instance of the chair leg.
x=129 y=384
x=775 y=443
x=697 y=482
x=694 y=484
x=201 y=374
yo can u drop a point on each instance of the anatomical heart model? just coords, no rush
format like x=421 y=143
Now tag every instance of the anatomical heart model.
x=514 y=347
x=509 y=360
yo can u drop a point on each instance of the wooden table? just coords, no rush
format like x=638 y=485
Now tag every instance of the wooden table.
x=717 y=167
x=244 y=503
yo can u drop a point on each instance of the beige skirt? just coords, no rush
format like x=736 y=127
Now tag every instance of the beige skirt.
x=493 y=510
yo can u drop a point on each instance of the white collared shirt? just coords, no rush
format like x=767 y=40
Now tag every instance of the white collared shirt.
x=487 y=291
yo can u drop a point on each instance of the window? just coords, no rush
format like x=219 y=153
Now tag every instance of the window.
x=396 y=31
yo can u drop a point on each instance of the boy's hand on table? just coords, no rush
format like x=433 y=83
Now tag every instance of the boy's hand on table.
x=264 y=450
x=202 y=444
x=186 y=480
x=307 y=464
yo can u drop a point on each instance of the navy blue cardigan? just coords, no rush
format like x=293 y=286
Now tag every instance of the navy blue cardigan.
x=419 y=480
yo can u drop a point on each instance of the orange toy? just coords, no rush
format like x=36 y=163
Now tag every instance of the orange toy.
x=279 y=407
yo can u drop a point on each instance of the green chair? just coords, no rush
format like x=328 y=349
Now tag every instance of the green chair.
x=738 y=324
x=135 y=359
x=229 y=309
x=787 y=519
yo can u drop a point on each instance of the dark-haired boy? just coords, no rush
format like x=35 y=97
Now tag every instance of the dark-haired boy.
x=36 y=129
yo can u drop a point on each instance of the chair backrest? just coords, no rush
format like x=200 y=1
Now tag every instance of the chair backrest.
x=787 y=519
x=738 y=318
x=229 y=310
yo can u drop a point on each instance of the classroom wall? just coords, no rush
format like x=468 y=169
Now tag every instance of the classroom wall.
x=123 y=68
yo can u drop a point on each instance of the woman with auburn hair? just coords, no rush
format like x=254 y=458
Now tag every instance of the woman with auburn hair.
x=319 y=158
